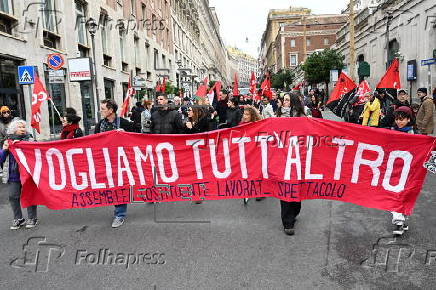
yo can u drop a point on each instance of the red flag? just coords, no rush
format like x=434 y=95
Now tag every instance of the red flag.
x=391 y=79
x=253 y=84
x=126 y=105
x=218 y=86
x=235 y=86
x=202 y=89
x=158 y=86
x=343 y=86
x=163 y=88
x=39 y=95
x=361 y=92
x=266 y=87
x=298 y=87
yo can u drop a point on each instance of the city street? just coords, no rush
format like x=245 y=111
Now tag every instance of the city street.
x=221 y=245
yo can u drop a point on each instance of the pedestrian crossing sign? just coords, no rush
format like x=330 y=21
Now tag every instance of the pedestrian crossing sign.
x=26 y=75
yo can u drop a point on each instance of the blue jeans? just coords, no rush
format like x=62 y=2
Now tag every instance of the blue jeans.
x=120 y=210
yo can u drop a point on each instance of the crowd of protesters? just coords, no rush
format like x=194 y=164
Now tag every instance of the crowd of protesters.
x=188 y=116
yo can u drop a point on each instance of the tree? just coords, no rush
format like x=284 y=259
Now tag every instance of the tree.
x=318 y=65
x=282 y=79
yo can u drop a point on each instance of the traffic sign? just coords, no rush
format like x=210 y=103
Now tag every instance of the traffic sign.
x=429 y=61
x=56 y=76
x=26 y=75
x=55 y=61
x=139 y=83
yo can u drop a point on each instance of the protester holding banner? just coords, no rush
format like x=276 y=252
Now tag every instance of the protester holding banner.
x=424 y=118
x=166 y=120
x=251 y=114
x=196 y=122
x=371 y=111
x=16 y=132
x=110 y=121
x=70 y=125
x=290 y=210
x=403 y=118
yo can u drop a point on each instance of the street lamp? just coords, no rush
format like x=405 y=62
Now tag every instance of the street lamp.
x=92 y=29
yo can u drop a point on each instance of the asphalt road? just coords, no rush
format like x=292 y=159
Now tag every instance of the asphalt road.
x=221 y=245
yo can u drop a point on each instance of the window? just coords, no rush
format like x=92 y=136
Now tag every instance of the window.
x=49 y=16
x=292 y=42
x=293 y=60
x=153 y=21
x=82 y=37
x=133 y=7
x=326 y=41
x=308 y=42
x=6 y=6
x=137 y=53
x=156 y=58
x=105 y=33
x=109 y=88
x=122 y=45
x=144 y=12
x=164 y=61
x=147 y=55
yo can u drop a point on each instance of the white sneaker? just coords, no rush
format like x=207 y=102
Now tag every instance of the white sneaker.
x=117 y=222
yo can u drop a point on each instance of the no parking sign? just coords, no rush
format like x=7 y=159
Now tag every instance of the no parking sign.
x=55 y=61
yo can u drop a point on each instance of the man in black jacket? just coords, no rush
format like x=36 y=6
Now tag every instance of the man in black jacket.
x=402 y=99
x=110 y=121
x=234 y=114
x=166 y=120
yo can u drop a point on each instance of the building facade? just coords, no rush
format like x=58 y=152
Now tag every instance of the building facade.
x=132 y=38
x=297 y=40
x=276 y=17
x=199 y=49
x=245 y=65
x=410 y=35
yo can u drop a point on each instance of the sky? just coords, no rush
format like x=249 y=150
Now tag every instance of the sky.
x=242 y=20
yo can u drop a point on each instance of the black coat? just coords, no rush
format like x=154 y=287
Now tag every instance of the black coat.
x=389 y=119
x=166 y=122
x=234 y=116
x=221 y=109
x=201 y=126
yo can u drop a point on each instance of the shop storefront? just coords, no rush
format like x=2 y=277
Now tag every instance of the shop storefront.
x=11 y=94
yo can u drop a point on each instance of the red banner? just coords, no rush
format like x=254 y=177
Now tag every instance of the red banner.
x=291 y=159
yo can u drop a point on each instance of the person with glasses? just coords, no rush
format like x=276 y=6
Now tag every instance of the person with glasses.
x=5 y=120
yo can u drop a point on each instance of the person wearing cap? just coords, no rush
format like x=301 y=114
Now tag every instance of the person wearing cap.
x=403 y=123
x=402 y=99
x=371 y=111
x=5 y=120
x=70 y=123
x=424 y=118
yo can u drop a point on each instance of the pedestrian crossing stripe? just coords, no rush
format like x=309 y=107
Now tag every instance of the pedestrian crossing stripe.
x=26 y=77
